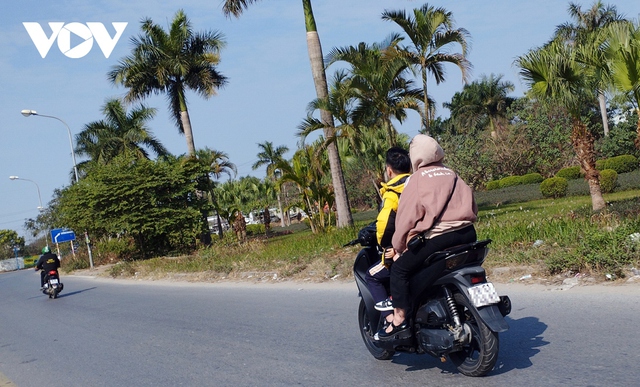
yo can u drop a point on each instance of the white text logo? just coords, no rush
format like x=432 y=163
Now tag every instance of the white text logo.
x=62 y=33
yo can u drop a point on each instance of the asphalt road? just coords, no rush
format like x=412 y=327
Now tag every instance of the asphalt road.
x=103 y=332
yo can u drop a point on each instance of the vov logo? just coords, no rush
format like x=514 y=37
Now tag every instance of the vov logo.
x=86 y=32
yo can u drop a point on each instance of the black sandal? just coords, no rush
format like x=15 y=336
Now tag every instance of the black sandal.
x=395 y=330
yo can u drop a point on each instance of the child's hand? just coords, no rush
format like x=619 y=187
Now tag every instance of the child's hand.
x=389 y=253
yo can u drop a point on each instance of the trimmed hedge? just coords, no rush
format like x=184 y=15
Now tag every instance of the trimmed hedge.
x=620 y=164
x=531 y=178
x=554 y=187
x=608 y=180
x=510 y=181
x=493 y=184
x=569 y=173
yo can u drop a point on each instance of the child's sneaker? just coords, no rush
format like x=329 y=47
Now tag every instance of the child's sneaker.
x=384 y=306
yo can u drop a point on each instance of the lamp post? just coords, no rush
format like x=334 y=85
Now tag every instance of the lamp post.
x=28 y=112
x=40 y=208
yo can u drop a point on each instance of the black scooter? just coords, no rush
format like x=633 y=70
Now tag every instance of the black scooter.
x=52 y=285
x=455 y=312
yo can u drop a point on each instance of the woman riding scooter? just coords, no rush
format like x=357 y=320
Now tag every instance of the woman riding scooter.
x=437 y=210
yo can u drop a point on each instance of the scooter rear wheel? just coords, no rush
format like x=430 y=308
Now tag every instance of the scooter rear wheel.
x=367 y=330
x=480 y=355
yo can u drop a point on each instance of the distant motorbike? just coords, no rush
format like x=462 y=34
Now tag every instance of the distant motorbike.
x=52 y=284
x=455 y=312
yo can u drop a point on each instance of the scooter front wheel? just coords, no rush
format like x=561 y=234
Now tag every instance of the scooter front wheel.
x=367 y=330
x=479 y=356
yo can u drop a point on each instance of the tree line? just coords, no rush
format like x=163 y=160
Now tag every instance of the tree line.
x=158 y=206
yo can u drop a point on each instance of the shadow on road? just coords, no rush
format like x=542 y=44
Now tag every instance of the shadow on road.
x=73 y=293
x=517 y=346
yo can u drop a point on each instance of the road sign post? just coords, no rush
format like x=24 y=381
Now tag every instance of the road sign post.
x=59 y=235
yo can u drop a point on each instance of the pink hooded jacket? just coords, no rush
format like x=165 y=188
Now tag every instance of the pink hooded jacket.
x=425 y=195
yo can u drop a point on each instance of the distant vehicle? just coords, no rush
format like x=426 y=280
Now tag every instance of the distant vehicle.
x=213 y=224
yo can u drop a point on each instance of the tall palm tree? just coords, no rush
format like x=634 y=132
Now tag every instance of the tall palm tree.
x=270 y=157
x=171 y=63
x=556 y=78
x=623 y=54
x=582 y=32
x=217 y=164
x=345 y=219
x=120 y=132
x=485 y=100
x=432 y=35
x=377 y=84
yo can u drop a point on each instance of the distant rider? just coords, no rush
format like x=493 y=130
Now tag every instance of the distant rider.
x=48 y=261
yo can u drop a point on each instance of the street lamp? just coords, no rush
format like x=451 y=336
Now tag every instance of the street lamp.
x=28 y=112
x=40 y=208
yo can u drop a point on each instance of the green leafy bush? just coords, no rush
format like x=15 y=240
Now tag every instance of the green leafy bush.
x=608 y=180
x=510 y=181
x=255 y=229
x=493 y=184
x=620 y=164
x=114 y=250
x=554 y=187
x=531 y=178
x=569 y=173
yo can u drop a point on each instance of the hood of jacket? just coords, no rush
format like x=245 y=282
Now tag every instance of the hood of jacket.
x=424 y=150
x=396 y=184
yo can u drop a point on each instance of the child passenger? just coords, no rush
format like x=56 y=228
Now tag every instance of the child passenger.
x=397 y=170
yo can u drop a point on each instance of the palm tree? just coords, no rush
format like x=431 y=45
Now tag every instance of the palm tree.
x=218 y=164
x=485 y=100
x=556 y=78
x=377 y=84
x=171 y=63
x=623 y=54
x=120 y=132
x=582 y=33
x=350 y=136
x=432 y=35
x=306 y=171
x=345 y=219
x=270 y=157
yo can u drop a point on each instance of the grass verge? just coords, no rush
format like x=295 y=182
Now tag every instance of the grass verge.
x=560 y=237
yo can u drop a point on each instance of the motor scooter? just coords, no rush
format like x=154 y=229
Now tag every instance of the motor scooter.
x=456 y=313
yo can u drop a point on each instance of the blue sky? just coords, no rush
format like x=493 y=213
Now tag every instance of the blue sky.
x=265 y=60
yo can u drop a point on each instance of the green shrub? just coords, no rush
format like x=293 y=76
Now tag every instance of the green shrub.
x=493 y=184
x=115 y=250
x=554 y=187
x=532 y=178
x=77 y=261
x=620 y=164
x=569 y=173
x=510 y=181
x=608 y=180
x=255 y=229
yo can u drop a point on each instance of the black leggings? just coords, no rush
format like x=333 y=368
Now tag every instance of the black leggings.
x=408 y=263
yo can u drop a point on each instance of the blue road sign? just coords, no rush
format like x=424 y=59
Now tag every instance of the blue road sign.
x=59 y=235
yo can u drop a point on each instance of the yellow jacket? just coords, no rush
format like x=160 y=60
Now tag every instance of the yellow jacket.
x=385 y=222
